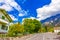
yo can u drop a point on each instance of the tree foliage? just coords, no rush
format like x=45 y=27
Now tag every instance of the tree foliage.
x=28 y=26
x=31 y=25
x=42 y=30
x=15 y=30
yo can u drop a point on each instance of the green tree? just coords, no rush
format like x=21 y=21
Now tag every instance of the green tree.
x=31 y=25
x=16 y=30
x=42 y=30
x=46 y=28
x=50 y=29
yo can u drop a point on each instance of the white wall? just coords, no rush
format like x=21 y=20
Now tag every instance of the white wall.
x=56 y=31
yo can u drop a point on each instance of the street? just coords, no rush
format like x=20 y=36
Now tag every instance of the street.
x=42 y=36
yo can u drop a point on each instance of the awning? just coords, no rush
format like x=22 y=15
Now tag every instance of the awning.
x=3 y=21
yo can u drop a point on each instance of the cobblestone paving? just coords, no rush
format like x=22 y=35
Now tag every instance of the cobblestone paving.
x=37 y=36
x=43 y=36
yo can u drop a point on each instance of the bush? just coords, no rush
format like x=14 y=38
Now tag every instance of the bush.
x=46 y=29
x=15 y=30
x=42 y=30
x=58 y=33
x=3 y=35
x=50 y=29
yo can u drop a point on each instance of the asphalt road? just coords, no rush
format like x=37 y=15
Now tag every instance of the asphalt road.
x=42 y=36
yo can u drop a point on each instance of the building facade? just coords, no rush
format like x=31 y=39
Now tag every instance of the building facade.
x=5 y=20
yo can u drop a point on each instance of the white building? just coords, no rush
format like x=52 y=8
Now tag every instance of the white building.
x=5 y=20
x=56 y=29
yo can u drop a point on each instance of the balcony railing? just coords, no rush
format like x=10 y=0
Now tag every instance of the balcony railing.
x=3 y=21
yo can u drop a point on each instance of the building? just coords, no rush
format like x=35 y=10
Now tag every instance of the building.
x=56 y=29
x=5 y=20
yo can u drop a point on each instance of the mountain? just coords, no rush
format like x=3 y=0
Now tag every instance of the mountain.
x=54 y=20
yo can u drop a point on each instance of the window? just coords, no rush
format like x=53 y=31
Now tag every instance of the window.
x=4 y=27
x=3 y=17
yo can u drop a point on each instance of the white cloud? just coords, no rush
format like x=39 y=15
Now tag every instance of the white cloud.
x=23 y=13
x=6 y=7
x=13 y=18
x=29 y=18
x=9 y=4
x=32 y=18
x=48 y=10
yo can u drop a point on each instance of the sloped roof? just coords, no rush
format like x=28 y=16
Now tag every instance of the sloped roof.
x=6 y=15
x=56 y=28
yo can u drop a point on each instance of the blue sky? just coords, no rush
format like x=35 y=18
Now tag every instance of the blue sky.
x=35 y=9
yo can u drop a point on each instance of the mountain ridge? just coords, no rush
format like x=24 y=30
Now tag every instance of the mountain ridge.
x=55 y=20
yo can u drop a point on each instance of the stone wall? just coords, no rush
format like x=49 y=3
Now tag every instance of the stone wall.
x=16 y=38
x=10 y=38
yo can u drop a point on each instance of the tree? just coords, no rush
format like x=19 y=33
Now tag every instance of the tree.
x=49 y=28
x=15 y=30
x=31 y=25
x=37 y=24
x=42 y=30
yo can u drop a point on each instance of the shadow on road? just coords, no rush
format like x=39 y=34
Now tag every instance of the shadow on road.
x=58 y=38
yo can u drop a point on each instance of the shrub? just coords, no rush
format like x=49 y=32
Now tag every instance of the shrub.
x=42 y=30
x=50 y=29
x=58 y=33
x=3 y=35
x=15 y=30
